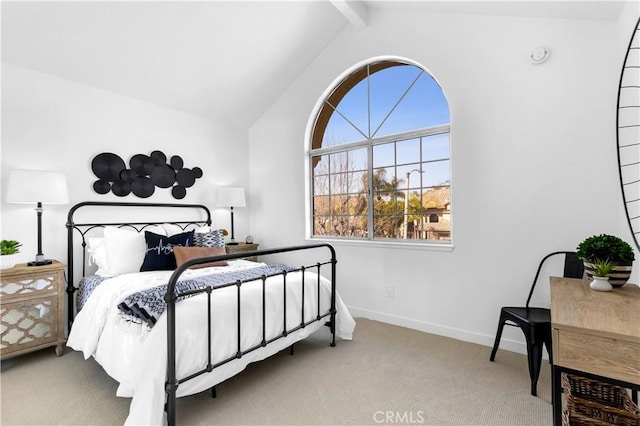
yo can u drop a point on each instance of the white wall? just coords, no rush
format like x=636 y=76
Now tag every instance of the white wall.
x=49 y=123
x=534 y=163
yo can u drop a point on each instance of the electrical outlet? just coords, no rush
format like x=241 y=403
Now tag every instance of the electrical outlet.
x=390 y=290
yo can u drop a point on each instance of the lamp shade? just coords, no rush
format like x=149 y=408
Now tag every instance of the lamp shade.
x=231 y=197
x=35 y=186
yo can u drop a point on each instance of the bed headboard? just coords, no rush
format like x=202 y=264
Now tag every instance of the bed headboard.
x=115 y=214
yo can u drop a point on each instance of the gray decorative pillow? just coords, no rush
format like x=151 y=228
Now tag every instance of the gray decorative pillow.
x=209 y=239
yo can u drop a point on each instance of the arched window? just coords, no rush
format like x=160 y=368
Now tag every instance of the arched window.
x=379 y=157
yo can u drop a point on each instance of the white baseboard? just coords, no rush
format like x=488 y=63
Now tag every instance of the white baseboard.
x=440 y=330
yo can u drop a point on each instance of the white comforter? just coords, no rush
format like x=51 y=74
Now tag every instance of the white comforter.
x=137 y=357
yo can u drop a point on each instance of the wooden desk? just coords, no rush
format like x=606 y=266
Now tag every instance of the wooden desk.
x=594 y=334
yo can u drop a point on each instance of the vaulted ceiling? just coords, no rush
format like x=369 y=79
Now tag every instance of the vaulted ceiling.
x=225 y=60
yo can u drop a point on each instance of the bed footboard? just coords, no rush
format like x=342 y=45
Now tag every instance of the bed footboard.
x=172 y=296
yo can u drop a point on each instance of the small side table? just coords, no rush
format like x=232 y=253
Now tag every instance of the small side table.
x=242 y=247
x=32 y=309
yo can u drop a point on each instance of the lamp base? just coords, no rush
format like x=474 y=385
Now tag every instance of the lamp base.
x=40 y=262
x=231 y=243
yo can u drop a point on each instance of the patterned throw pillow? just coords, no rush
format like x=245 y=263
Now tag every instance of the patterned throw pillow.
x=214 y=238
x=159 y=255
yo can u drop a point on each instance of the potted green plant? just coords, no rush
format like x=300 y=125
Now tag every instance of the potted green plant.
x=601 y=271
x=609 y=248
x=8 y=249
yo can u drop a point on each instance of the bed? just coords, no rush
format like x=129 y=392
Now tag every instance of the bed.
x=173 y=330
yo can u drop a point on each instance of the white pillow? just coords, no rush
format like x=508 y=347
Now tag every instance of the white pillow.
x=125 y=250
x=97 y=250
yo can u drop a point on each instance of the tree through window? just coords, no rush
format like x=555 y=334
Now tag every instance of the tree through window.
x=379 y=158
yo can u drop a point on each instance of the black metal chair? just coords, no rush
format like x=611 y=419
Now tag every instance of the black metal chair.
x=535 y=323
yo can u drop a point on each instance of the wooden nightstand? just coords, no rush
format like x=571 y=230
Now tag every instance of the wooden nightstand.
x=240 y=247
x=31 y=309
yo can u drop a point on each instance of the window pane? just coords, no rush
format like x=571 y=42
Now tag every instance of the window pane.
x=321 y=185
x=436 y=108
x=384 y=178
x=435 y=147
x=321 y=225
x=384 y=155
x=340 y=225
x=339 y=183
x=436 y=198
x=358 y=159
x=436 y=173
x=321 y=205
x=340 y=131
x=358 y=182
x=320 y=165
x=359 y=226
x=339 y=204
x=423 y=106
x=354 y=107
x=412 y=174
x=387 y=226
x=408 y=151
x=387 y=88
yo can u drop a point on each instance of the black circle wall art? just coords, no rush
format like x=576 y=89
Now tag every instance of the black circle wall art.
x=107 y=166
x=158 y=158
x=163 y=176
x=143 y=187
x=178 y=192
x=102 y=186
x=128 y=175
x=121 y=188
x=141 y=164
x=176 y=162
x=185 y=177
x=145 y=173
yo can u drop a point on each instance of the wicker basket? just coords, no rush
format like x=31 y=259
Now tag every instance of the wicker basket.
x=595 y=403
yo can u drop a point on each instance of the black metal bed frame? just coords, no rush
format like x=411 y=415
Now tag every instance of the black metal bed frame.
x=171 y=296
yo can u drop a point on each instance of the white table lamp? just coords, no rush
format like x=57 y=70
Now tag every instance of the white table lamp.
x=40 y=187
x=231 y=197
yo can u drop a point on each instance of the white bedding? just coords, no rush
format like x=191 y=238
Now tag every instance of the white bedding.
x=137 y=357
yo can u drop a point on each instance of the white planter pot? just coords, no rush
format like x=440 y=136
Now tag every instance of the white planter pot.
x=601 y=284
x=7 y=261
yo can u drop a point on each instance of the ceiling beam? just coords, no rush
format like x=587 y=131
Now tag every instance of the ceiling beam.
x=356 y=12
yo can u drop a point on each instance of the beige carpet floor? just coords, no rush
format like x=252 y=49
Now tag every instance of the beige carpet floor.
x=385 y=375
